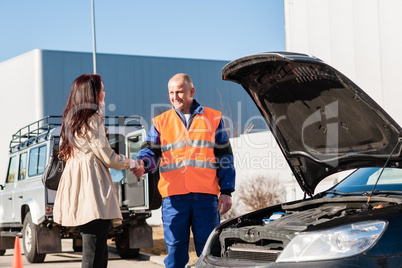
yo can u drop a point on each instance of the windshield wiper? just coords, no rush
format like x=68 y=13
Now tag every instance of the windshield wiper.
x=363 y=193
x=335 y=192
x=376 y=192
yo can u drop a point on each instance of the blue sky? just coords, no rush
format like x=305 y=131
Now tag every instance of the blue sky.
x=203 y=29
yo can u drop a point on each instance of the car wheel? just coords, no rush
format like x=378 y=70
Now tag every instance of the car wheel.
x=29 y=233
x=123 y=246
x=2 y=252
x=155 y=198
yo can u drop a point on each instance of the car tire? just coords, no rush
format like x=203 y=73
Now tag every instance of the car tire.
x=30 y=243
x=2 y=252
x=123 y=245
x=155 y=198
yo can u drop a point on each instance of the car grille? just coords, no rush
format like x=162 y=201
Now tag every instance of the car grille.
x=253 y=253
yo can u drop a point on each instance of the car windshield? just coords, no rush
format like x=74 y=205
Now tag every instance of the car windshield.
x=364 y=179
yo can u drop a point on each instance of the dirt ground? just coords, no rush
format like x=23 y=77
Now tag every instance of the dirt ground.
x=160 y=248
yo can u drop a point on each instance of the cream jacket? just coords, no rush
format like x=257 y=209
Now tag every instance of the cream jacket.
x=86 y=191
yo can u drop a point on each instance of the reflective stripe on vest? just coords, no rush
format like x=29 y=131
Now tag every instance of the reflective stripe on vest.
x=192 y=163
x=188 y=162
x=192 y=143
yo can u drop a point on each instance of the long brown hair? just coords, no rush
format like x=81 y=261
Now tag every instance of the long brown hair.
x=82 y=104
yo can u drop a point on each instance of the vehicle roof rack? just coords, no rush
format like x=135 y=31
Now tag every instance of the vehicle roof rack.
x=44 y=125
x=35 y=129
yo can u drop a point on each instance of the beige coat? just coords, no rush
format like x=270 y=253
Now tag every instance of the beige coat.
x=86 y=191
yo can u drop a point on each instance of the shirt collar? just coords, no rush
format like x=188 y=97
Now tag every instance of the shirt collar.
x=196 y=108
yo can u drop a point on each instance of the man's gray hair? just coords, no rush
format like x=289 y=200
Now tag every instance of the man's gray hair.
x=186 y=78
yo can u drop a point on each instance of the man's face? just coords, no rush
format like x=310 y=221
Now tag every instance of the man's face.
x=181 y=95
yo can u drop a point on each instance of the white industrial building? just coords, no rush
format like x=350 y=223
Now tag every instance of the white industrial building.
x=359 y=38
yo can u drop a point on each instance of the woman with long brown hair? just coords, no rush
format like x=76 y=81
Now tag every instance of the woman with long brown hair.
x=86 y=196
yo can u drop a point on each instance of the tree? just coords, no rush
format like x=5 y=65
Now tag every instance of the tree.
x=260 y=192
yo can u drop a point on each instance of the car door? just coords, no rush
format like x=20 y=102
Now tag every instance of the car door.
x=20 y=183
x=7 y=214
x=136 y=189
x=34 y=191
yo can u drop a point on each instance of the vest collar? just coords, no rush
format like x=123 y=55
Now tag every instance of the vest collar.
x=196 y=108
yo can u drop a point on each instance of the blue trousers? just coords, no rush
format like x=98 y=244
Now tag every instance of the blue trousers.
x=182 y=212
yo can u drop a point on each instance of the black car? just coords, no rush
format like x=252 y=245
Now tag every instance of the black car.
x=324 y=124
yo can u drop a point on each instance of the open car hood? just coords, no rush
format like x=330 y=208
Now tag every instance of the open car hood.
x=323 y=122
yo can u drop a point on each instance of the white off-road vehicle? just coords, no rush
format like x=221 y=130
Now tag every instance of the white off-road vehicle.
x=26 y=206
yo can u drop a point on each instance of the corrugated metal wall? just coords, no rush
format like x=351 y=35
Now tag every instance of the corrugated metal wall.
x=38 y=84
x=137 y=85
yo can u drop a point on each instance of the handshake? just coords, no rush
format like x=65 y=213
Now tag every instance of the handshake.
x=137 y=167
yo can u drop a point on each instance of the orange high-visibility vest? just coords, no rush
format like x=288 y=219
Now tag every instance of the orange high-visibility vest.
x=188 y=162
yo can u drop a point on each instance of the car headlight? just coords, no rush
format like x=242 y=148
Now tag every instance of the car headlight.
x=340 y=242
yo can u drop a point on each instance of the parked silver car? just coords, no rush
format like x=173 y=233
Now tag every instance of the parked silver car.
x=324 y=124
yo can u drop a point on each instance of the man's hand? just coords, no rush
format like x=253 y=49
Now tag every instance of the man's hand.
x=138 y=169
x=224 y=203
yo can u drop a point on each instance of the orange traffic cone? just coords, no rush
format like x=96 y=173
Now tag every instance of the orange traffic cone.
x=17 y=257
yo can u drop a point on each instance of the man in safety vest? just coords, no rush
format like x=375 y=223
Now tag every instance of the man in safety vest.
x=192 y=148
